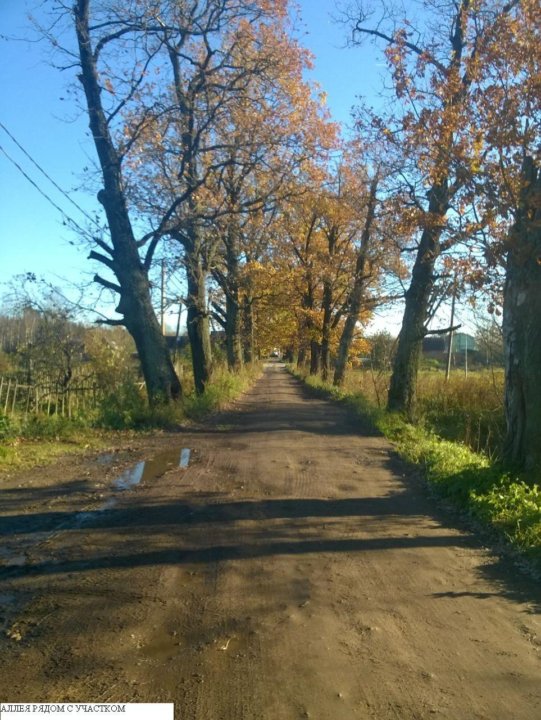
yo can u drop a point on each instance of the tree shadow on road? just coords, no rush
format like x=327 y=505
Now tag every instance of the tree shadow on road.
x=196 y=531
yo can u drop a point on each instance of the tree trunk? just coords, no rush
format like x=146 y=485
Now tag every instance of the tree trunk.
x=522 y=329
x=140 y=319
x=233 y=331
x=306 y=329
x=198 y=322
x=403 y=387
x=315 y=357
x=348 y=332
x=325 y=352
x=357 y=293
x=248 y=329
x=122 y=258
x=233 y=327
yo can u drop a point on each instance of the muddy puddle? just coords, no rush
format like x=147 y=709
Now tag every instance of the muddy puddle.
x=143 y=471
x=152 y=469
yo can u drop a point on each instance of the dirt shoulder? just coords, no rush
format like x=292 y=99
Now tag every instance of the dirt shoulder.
x=293 y=569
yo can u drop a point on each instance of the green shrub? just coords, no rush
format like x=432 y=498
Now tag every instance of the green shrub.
x=124 y=408
x=50 y=427
x=7 y=429
x=223 y=387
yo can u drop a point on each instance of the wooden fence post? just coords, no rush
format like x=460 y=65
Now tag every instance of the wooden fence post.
x=7 y=397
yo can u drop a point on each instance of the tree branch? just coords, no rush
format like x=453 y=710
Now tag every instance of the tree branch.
x=444 y=331
x=102 y=259
x=107 y=284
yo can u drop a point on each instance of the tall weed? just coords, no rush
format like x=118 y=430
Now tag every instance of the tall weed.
x=467 y=409
x=222 y=389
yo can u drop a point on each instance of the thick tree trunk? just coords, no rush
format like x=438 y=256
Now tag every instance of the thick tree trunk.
x=308 y=346
x=248 y=329
x=403 y=387
x=325 y=356
x=198 y=322
x=522 y=329
x=233 y=332
x=122 y=256
x=233 y=327
x=348 y=332
x=140 y=320
x=315 y=357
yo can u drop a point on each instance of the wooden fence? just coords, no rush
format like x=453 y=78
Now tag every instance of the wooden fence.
x=47 y=399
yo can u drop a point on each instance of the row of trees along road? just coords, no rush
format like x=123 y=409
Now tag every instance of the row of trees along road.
x=200 y=116
x=213 y=146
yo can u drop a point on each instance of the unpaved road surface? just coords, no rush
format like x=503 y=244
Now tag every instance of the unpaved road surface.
x=295 y=569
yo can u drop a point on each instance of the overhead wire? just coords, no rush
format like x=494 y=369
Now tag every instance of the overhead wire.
x=49 y=178
x=41 y=192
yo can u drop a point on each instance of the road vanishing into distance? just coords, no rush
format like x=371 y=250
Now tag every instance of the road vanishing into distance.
x=289 y=567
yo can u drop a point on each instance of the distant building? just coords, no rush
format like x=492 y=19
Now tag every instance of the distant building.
x=436 y=347
x=462 y=342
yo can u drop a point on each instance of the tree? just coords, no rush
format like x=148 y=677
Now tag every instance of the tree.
x=511 y=111
x=435 y=70
x=231 y=69
x=507 y=111
x=95 y=35
x=275 y=128
x=362 y=276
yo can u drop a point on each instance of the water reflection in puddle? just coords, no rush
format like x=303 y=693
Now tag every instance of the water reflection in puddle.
x=152 y=469
x=130 y=477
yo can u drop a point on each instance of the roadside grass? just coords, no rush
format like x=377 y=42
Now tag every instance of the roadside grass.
x=40 y=439
x=466 y=409
x=224 y=387
x=479 y=487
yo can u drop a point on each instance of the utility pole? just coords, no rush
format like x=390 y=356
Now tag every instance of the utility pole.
x=162 y=298
x=177 y=334
x=450 y=348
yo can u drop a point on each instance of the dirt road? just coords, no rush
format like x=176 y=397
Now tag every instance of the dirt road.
x=294 y=569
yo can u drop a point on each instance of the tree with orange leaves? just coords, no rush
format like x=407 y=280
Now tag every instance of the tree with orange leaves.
x=434 y=62
x=270 y=136
x=507 y=111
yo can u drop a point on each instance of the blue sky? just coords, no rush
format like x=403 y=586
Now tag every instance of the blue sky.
x=33 y=238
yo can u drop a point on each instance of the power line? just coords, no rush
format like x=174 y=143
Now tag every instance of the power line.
x=42 y=192
x=49 y=178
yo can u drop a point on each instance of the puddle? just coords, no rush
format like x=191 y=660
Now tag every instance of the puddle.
x=184 y=457
x=146 y=470
x=143 y=471
x=130 y=477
